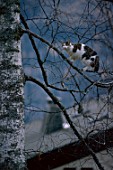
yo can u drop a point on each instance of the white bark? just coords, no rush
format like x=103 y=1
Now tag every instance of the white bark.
x=11 y=88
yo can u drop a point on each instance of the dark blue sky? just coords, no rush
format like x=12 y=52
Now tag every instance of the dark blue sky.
x=56 y=22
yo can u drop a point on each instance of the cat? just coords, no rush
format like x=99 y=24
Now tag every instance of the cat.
x=83 y=52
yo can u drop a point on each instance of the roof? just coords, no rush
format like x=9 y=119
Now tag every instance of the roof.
x=48 y=148
x=71 y=152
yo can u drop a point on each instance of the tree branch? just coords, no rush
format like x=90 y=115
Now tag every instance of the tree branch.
x=40 y=61
x=71 y=152
x=97 y=83
x=62 y=108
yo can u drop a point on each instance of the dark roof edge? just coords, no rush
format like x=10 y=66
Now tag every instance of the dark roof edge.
x=71 y=152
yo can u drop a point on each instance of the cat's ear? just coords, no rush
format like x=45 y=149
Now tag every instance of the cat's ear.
x=69 y=41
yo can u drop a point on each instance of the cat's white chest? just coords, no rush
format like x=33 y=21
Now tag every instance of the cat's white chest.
x=78 y=54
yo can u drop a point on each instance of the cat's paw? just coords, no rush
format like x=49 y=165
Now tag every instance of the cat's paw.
x=88 y=69
x=85 y=69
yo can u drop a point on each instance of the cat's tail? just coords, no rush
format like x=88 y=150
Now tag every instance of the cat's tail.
x=96 y=64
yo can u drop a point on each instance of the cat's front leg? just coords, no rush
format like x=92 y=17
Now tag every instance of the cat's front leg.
x=85 y=68
x=88 y=68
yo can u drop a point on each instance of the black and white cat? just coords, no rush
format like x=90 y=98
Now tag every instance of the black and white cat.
x=84 y=53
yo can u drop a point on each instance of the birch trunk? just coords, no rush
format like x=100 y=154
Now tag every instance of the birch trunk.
x=11 y=88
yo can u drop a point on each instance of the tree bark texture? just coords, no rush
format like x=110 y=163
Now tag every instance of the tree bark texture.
x=11 y=88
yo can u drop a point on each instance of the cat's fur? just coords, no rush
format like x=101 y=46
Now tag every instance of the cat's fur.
x=84 y=53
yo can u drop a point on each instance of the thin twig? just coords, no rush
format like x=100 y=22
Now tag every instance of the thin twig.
x=96 y=83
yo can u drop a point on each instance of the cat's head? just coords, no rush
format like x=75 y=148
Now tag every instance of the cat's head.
x=66 y=45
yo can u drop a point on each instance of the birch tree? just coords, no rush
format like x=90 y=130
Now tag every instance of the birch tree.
x=11 y=88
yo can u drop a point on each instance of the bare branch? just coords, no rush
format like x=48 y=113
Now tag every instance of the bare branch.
x=63 y=109
x=99 y=84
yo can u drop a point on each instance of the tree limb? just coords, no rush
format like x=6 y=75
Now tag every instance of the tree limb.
x=97 y=83
x=62 y=108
